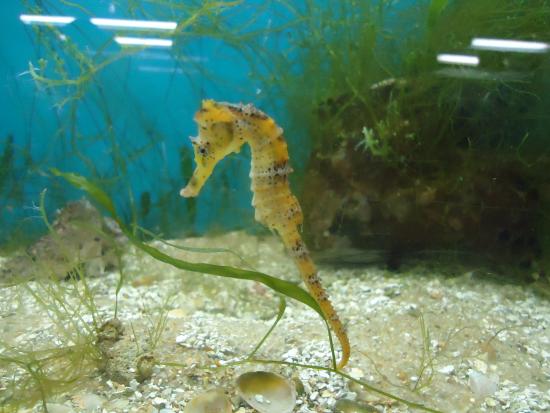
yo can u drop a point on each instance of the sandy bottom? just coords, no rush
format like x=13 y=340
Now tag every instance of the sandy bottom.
x=443 y=337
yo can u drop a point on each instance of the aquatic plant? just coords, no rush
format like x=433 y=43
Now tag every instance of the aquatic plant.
x=282 y=287
x=69 y=315
x=6 y=161
x=343 y=72
x=83 y=78
x=404 y=142
x=31 y=376
x=345 y=82
x=38 y=373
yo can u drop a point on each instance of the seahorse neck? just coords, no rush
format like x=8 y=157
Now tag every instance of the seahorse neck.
x=268 y=163
x=259 y=144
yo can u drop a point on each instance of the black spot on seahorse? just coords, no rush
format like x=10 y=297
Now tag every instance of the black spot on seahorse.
x=299 y=250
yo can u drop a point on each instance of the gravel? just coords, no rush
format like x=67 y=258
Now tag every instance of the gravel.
x=444 y=337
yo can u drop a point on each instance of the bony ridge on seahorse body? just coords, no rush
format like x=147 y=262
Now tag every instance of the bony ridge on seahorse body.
x=223 y=129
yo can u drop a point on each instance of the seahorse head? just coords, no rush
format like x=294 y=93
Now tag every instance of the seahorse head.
x=215 y=141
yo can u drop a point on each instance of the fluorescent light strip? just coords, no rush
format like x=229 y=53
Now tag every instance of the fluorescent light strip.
x=142 y=41
x=132 y=24
x=42 y=19
x=501 y=45
x=458 y=59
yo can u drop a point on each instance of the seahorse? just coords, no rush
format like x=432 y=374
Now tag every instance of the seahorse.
x=222 y=129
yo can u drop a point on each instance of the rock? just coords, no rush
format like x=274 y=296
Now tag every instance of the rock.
x=59 y=408
x=82 y=242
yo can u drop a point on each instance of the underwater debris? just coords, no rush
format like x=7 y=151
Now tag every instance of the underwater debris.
x=81 y=242
x=111 y=331
x=223 y=129
x=144 y=367
x=298 y=385
x=212 y=401
x=482 y=385
x=267 y=392
x=350 y=406
x=88 y=402
x=124 y=360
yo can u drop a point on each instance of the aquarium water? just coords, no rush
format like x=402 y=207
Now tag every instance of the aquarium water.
x=274 y=206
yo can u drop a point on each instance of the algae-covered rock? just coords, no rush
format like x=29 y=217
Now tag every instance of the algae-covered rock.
x=81 y=242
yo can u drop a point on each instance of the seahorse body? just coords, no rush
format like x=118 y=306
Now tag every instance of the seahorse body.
x=223 y=129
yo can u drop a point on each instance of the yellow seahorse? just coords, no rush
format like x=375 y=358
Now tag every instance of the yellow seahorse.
x=223 y=129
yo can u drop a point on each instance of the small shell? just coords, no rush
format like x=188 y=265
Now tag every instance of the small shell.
x=212 y=401
x=267 y=392
x=144 y=367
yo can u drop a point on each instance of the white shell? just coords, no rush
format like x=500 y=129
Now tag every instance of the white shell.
x=267 y=392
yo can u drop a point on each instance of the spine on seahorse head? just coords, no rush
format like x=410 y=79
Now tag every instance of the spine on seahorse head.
x=223 y=129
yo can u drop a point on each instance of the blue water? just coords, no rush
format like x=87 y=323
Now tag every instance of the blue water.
x=127 y=128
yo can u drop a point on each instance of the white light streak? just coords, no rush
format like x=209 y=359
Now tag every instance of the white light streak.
x=142 y=41
x=458 y=59
x=502 y=45
x=132 y=24
x=42 y=19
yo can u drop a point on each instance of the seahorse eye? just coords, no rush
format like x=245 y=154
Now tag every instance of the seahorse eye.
x=203 y=151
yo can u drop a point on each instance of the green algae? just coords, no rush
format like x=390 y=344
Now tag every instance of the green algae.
x=418 y=141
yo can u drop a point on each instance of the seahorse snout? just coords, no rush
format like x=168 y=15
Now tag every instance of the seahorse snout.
x=188 y=192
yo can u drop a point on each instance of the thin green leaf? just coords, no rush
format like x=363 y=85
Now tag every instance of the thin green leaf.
x=280 y=313
x=281 y=286
x=200 y=250
x=90 y=188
